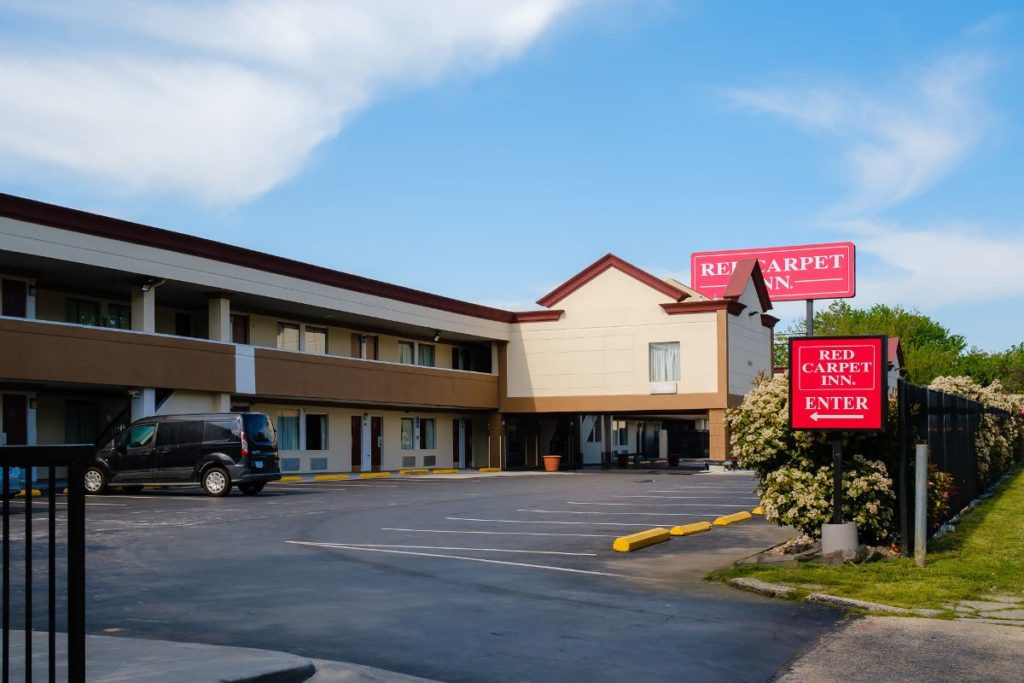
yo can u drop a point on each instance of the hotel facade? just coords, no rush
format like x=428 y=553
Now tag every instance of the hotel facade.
x=105 y=321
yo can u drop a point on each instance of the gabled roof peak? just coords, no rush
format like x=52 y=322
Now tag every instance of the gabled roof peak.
x=599 y=266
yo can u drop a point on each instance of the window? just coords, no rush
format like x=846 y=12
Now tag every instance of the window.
x=316 y=339
x=259 y=429
x=316 y=432
x=406 y=352
x=83 y=312
x=119 y=316
x=407 y=434
x=665 y=362
x=176 y=433
x=183 y=324
x=220 y=430
x=595 y=432
x=288 y=336
x=461 y=358
x=81 y=422
x=288 y=430
x=426 y=355
x=621 y=433
x=140 y=436
x=427 y=433
x=240 y=329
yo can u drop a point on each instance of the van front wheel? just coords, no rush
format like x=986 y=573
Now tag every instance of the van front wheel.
x=216 y=482
x=94 y=480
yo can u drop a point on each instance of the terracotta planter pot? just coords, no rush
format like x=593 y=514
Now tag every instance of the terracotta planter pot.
x=551 y=463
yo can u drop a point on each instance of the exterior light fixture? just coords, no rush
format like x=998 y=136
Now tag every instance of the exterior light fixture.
x=437 y=335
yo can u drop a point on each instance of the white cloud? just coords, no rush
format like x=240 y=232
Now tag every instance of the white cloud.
x=224 y=100
x=895 y=145
x=937 y=266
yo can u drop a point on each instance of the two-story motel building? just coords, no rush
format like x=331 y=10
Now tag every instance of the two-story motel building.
x=105 y=321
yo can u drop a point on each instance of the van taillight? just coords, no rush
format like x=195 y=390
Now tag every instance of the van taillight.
x=245 y=445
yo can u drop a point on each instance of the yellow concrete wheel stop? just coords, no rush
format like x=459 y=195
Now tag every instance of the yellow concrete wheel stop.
x=733 y=518
x=690 y=529
x=330 y=477
x=374 y=475
x=405 y=473
x=489 y=469
x=641 y=539
x=446 y=470
x=757 y=511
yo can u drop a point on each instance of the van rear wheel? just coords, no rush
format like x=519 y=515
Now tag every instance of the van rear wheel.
x=216 y=482
x=251 y=489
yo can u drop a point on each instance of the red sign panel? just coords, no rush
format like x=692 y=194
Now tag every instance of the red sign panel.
x=812 y=271
x=837 y=383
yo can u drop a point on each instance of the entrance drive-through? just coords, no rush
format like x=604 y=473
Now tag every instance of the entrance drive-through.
x=367 y=437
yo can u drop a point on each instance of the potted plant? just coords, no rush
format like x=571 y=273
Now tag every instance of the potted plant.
x=551 y=463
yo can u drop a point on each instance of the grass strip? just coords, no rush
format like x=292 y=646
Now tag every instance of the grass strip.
x=983 y=557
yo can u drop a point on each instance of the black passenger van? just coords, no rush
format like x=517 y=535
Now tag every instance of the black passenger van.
x=215 y=450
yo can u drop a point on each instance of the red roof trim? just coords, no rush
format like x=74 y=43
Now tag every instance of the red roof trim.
x=695 y=306
x=601 y=265
x=895 y=351
x=537 y=316
x=746 y=270
x=32 y=211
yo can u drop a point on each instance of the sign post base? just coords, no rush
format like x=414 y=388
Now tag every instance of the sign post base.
x=839 y=538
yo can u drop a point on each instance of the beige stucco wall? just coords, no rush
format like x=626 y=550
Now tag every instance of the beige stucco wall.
x=750 y=344
x=601 y=345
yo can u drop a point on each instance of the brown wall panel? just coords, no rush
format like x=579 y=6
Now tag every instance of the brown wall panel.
x=43 y=352
x=284 y=374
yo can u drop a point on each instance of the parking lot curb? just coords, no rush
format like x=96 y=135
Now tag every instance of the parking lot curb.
x=850 y=603
x=330 y=477
x=772 y=590
x=690 y=529
x=726 y=520
x=374 y=475
x=641 y=539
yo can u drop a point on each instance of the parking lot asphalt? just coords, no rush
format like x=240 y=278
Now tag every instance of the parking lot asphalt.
x=499 y=578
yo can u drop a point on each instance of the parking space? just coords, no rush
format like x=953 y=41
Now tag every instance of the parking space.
x=454 y=578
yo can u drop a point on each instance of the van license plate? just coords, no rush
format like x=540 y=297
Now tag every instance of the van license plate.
x=258 y=464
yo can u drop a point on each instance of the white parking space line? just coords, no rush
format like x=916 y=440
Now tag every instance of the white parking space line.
x=662 y=505
x=556 y=521
x=42 y=502
x=748 y=496
x=461 y=557
x=477 y=550
x=497 y=533
x=598 y=512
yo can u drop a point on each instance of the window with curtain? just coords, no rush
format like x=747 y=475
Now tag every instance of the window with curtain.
x=427 y=433
x=119 y=316
x=288 y=430
x=408 y=435
x=288 y=336
x=426 y=355
x=665 y=361
x=316 y=339
x=406 y=352
x=83 y=312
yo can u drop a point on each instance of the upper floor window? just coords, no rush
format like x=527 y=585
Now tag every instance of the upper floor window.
x=425 y=355
x=316 y=339
x=239 y=329
x=664 y=362
x=288 y=336
x=406 y=352
x=82 y=312
x=119 y=316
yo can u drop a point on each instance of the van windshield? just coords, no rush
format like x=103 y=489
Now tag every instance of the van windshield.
x=260 y=429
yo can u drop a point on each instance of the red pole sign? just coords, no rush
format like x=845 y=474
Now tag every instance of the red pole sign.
x=837 y=383
x=810 y=271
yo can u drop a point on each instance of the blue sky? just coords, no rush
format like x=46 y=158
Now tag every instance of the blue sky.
x=489 y=150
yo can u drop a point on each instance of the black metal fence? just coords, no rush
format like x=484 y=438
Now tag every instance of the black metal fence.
x=46 y=460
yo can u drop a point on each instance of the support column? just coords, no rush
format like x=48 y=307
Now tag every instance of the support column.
x=143 y=403
x=718 y=435
x=606 y=432
x=495 y=440
x=222 y=403
x=144 y=309
x=220 y=319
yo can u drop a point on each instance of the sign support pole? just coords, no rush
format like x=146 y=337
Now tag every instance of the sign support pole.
x=837 y=480
x=810 y=318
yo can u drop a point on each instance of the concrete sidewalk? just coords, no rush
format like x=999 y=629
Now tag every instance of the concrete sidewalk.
x=898 y=649
x=135 y=660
